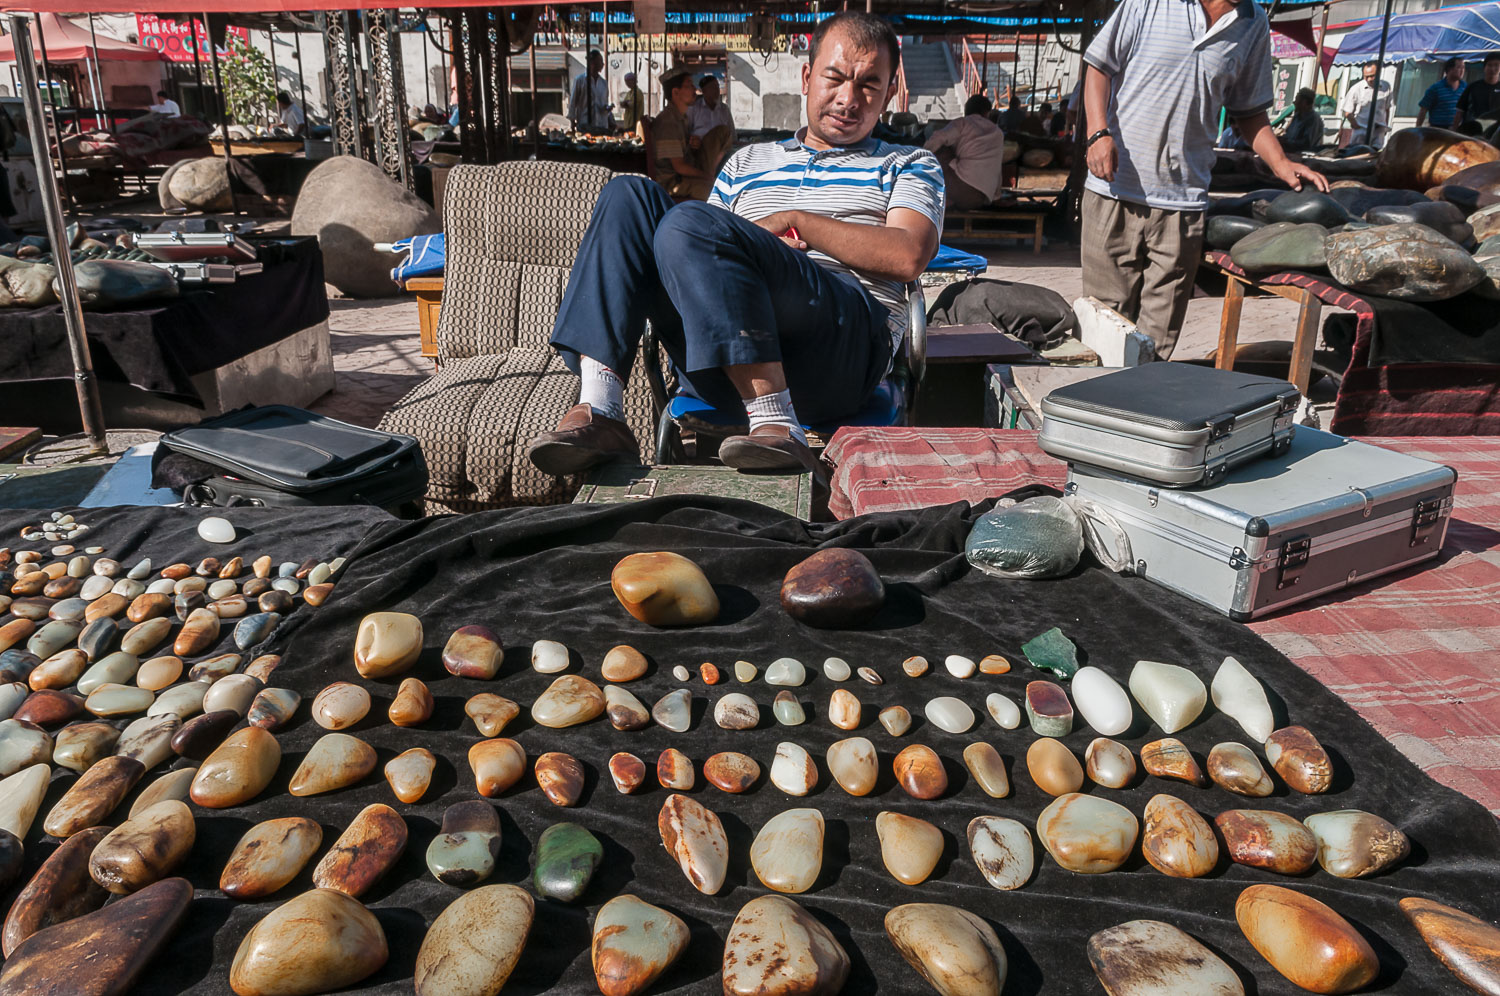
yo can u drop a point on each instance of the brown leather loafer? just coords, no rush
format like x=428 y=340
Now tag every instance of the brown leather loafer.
x=582 y=439
x=769 y=447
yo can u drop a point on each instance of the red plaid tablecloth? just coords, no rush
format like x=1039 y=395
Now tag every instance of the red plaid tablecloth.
x=1416 y=653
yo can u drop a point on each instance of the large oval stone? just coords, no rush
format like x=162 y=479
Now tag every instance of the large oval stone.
x=833 y=589
x=80 y=745
x=364 y=852
x=1170 y=758
x=97 y=793
x=1109 y=763
x=731 y=771
x=776 y=948
x=560 y=777
x=199 y=632
x=1440 y=216
x=793 y=770
x=694 y=837
x=634 y=943
x=954 y=950
x=1176 y=840
x=664 y=589
x=473 y=652
x=473 y=945
x=61 y=890
x=1101 y=701
x=1224 y=230
x=988 y=769
x=920 y=772
x=497 y=764
x=1053 y=767
x=1354 y=844
x=1151 y=958
x=623 y=663
x=1307 y=206
x=1419 y=158
x=1405 y=262
x=145 y=848
x=909 y=847
x=1282 y=246
x=272 y=708
x=1298 y=758
x=340 y=705
x=149 y=740
x=317 y=942
x=1263 y=838
x=21 y=796
x=22 y=744
x=567 y=856
x=1086 y=834
x=173 y=785
x=102 y=953
x=854 y=765
x=1305 y=940
x=336 y=760
x=568 y=701
x=787 y=854
x=387 y=644
x=1465 y=944
x=269 y=857
x=238 y=771
x=202 y=735
x=1002 y=851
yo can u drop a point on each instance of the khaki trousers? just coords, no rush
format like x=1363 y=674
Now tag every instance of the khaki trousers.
x=1141 y=261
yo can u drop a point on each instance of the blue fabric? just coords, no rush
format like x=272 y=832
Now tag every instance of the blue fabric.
x=1441 y=101
x=1471 y=31
x=425 y=259
x=949 y=259
x=718 y=291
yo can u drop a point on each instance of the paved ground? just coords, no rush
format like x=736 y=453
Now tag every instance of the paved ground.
x=377 y=349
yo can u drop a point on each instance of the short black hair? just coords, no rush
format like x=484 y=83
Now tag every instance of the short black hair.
x=1375 y=63
x=594 y=53
x=977 y=104
x=282 y=97
x=708 y=78
x=1306 y=93
x=162 y=93
x=1455 y=61
x=673 y=79
x=1046 y=108
x=865 y=30
x=1492 y=57
x=1015 y=103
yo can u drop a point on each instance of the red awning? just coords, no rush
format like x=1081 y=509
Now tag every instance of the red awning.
x=69 y=42
x=200 y=7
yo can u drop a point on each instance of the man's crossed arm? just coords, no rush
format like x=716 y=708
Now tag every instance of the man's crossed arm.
x=898 y=250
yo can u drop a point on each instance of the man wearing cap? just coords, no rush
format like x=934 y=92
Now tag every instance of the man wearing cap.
x=678 y=168
x=632 y=104
x=783 y=297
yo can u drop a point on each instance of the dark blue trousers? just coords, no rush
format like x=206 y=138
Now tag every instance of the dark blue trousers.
x=719 y=291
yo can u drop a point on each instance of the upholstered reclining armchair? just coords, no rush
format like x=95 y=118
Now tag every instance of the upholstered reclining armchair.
x=512 y=234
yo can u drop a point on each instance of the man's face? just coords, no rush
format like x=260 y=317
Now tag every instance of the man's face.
x=711 y=92
x=1455 y=73
x=683 y=94
x=596 y=64
x=1492 y=71
x=1303 y=104
x=847 y=88
x=1370 y=75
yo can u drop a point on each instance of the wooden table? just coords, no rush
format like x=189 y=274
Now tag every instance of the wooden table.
x=966 y=229
x=1309 y=310
x=429 y=291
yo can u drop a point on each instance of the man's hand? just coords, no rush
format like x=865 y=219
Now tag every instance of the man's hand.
x=779 y=224
x=1293 y=173
x=695 y=141
x=1103 y=158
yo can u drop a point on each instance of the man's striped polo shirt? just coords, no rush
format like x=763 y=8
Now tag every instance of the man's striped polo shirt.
x=857 y=183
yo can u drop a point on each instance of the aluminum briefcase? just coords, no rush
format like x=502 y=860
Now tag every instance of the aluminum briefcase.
x=1328 y=513
x=1177 y=424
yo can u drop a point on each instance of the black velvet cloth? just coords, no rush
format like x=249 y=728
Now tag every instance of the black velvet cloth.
x=158 y=347
x=544 y=573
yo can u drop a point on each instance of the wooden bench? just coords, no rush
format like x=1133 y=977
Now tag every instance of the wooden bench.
x=429 y=291
x=968 y=231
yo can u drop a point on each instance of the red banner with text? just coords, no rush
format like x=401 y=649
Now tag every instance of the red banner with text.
x=174 y=39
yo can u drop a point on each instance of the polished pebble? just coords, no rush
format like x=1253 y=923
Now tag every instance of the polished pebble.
x=776 y=948
x=731 y=771
x=144 y=849
x=623 y=663
x=633 y=944
x=1101 y=702
x=915 y=666
x=172 y=785
x=340 y=706
x=319 y=941
x=1002 y=851
x=1048 y=709
x=464 y=851
x=413 y=703
x=1109 y=763
x=988 y=769
x=1300 y=760
x=1237 y=694
x=1235 y=768
x=674 y=710
x=1356 y=844
x=1152 y=958
x=949 y=714
x=1172 y=696
x=736 y=711
x=920 y=772
x=909 y=847
x=548 y=657
x=1005 y=713
x=1087 y=834
x=625 y=711
x=335 y=761
x=745 y=672
x=1263 y=838
x=1170 y=758
x=836 y=669
x=497 y=765
x=410 y=773
x=959 y=666
x=567 y=856
x=201 y=736
x=844 y=709
x=367 y=849
x=627 y=772
x=793 y=770
x=491 y=713
x=1305 y=940
x=570 y=700
x=694 y=837
x=269 y=856
x=955 y=951
x=560 y=777
x=870 y=676
x=1053 y=767
x=664 y=589
x=387 y=644
x=159 y=672
x=895 y=719
x=1466 y=945
x=787 y=710
x=674 y=770
x=233 y=692
x=238 y=771
x=475 y=943
x=854 y=765
x=785 y=671
x=97 y=792
x=787 y=853
x=1176 y=840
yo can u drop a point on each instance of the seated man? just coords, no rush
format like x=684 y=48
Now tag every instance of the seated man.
x=783 y=296
x=972 y=152
x=711 y=133
x=1304 y=132
x=677 y=163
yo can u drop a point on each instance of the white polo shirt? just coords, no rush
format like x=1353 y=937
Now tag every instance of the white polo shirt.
x=1170 y=74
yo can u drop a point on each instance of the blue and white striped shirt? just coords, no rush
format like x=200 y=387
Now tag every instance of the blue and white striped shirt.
x=856 y=183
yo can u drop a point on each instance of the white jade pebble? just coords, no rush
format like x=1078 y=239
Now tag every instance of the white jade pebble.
x=216 y=530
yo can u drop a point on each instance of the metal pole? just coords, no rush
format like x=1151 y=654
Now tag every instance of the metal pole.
x=90 y=408
x=213 y=52
x=62 y=155
x=98 y=80
x=426 y=65
x=197 y=55
x=302 y=89
x=1036 y=56
x=275 y=68
x=1385 y=30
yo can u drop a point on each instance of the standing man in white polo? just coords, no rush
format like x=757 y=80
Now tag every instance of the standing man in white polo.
x=1158 y=74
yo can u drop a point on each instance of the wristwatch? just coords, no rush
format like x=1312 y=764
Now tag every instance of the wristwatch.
x=1101 y=133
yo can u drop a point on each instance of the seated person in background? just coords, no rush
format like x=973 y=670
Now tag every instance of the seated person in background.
x=678 y=167
x=783 y=297
x=165 y=105
x=1045 y=113
x=292 y=118
x=970 y=151
x=1013 y=117
x=1304 y=131
x=711 y=128
x=1059 y=125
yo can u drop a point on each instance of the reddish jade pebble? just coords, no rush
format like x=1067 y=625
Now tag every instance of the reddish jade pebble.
x=920 y=772
x=627 y=771
x=709 y=673
x=1305 y=940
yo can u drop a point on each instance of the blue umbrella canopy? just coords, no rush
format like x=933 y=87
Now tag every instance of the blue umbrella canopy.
x=1471 y=31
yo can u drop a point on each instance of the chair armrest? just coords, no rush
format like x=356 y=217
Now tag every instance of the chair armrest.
x=916 y=331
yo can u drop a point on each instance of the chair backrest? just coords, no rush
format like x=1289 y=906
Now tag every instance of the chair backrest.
x=512 y=232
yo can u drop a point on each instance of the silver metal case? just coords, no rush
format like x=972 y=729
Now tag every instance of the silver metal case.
x=1325 y=515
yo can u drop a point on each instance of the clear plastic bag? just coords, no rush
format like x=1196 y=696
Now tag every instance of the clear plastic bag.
x=1037 y=538
x=1103 y=535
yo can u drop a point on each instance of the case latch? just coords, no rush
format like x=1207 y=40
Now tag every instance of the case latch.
x=641 y=487
x=1425 y=519
x=1220 y=426
x=1293 y=559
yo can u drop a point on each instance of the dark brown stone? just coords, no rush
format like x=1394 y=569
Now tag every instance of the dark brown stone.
x=365 y=851
x=305 y=568
x=12 y=859
x=274 y=600
x=1265 y=839
x=101 y=953
x=61 y=889
x=833 y=589
x=1299 y=759
x=148 y=606
x=63 y=587
x=560 y=777
x=920 y=772
x=108 y=605
x=1419 y=158
x=201 y=735
x=1170 y=758
x=730 y=771
x=176 y=572
x=1465 y=944
x=317 y=594
x=97 y=793
x=49 y=707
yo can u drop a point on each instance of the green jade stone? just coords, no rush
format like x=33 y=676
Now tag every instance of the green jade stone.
x=1052 y=651
x=567 y=856
x=788 y=710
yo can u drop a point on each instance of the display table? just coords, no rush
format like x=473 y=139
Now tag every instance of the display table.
x=262 y=339
x=534 y=574
x=1414 y=652
x=1306 y=292
x=429 y=291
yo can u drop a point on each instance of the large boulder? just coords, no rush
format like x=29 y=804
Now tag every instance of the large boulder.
x=1224 y=230
x=1406 y=262
x=24 y=284
x=350 y=205
x=1485 y=178
x=1281 y=246
x=1358 y=198
x=104 y=283
x=1307 y=206
x=1440 y=216
x=1486 y=222
x=1422 y=158
x=196 y=184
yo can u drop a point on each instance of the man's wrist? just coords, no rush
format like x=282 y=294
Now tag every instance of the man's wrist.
x=1099 y=135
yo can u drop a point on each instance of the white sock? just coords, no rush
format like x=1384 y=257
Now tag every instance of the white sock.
x=602 y=389
x=775 y=409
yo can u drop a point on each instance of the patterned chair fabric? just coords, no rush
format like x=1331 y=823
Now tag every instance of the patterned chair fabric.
x=512 y=234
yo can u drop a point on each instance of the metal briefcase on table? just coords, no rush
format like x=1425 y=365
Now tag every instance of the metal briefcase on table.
x=1328 y=513
x=1177 y=424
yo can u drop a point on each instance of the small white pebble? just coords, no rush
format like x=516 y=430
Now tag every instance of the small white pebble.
x=215 y=529
x=960 y=667
x=681 y=673
x=836 y=669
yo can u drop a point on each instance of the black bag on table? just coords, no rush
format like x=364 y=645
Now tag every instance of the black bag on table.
x=276 y=455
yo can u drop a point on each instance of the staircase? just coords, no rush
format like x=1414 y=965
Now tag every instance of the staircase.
x=932 y=81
